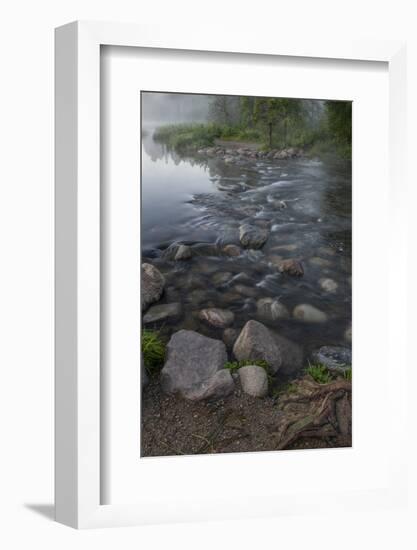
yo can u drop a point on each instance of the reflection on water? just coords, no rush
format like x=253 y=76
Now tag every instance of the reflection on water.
x=305 y=203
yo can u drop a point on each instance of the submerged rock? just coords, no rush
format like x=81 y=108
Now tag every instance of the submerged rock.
x=285 y=247
x=252 y=236
x=221 y=277
x=205 y=249
x=194 y=367
x=320 y=262
x=271 y=309
x=291 y=267
x=197 y=297
x=309 y=313
x=216 y=317
x=183 y=252
x=177 y=251
x=246 y=290
x=152 y=285
x=328 y=285
x=333 y=357
x=161 y=312
x=231 y=250
x=254 y=380
x=256 y=341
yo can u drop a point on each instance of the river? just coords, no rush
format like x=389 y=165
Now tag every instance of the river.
x=306 y=205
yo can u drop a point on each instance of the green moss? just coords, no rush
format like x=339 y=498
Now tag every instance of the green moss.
x=320 y=373
x=153 y=350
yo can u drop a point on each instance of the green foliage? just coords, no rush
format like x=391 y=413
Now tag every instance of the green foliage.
x=184 y=136
x=276 y=115
x=153 y=350
x=320 y=373
x=339 y=120
x=233 y=366
x=274 y=123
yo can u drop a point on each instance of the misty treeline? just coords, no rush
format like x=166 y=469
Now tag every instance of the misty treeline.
x=316 y=125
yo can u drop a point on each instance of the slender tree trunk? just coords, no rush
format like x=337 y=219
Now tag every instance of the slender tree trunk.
x=270 y=134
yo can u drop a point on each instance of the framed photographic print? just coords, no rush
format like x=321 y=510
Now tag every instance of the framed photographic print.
x=221 y=346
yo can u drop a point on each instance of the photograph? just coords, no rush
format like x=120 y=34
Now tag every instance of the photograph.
x=246 y=273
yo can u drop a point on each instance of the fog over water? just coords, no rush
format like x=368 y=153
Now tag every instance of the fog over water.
x=168 y=108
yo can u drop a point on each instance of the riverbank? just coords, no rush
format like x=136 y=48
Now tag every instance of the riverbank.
x=242 y=423
x=190 y=138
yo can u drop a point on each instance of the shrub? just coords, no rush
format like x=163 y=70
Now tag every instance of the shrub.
x=153 y=349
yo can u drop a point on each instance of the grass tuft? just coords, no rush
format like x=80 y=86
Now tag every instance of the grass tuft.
x=319 y=373
x=347 y=374
x=153 y=349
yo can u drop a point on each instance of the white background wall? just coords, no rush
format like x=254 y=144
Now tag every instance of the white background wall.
x=26 y=272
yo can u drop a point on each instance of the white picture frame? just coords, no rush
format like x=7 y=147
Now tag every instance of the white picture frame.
x=78 y=404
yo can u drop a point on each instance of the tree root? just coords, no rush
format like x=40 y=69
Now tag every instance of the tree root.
x=316 y=410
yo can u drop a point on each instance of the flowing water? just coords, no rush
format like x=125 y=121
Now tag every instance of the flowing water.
x=306 y=205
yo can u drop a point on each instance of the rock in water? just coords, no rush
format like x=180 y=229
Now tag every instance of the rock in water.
x=162 y=312
x=194 y=367
x=216 y=317
x=310 y=314
x=333 y=357
x=252 y=236
x=221 y=277
x=256 y=341
x=254 y=380
x=291 y=267
x=176 y=251
x=231 y=250
x=271 y=309
x=152 y=282
x=183 y=252
x=328 y=285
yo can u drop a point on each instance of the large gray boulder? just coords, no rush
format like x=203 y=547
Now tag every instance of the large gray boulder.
x=292 y=355
x=152 y=285
x=252 y=236
x=256 y=341
x=194 y=367
x=217 y=387
x=254 y=380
